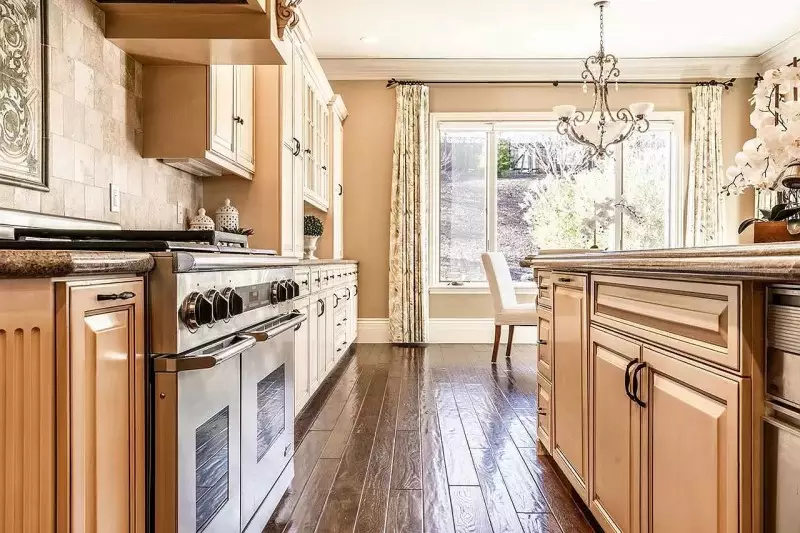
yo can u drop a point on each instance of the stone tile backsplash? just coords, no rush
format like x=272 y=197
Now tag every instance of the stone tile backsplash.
x=95 y=123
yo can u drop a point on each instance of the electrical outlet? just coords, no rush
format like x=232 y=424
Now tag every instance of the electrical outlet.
x=116 y=199
x=180 y=220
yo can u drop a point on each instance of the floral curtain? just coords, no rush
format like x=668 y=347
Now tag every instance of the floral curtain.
x=408 y=303
x=705 y=214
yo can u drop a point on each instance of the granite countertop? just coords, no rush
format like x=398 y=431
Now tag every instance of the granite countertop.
x=773 y=261
x=313 y=262
x=58 y=263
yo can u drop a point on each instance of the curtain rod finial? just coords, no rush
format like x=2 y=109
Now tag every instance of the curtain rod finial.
x=392 y=83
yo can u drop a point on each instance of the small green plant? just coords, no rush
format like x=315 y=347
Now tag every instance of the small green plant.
x=312 y=226
x=776 y=214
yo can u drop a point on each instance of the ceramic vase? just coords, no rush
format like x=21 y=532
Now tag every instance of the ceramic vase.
x=309 y=247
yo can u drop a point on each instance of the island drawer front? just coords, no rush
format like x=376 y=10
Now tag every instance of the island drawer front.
x=545 y=295
x=576 y=281
x=544 y=426
x=544 y=357
x=302 y=276
x=701 y=320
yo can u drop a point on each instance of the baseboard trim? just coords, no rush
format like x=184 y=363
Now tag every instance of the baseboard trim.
x=446 y=331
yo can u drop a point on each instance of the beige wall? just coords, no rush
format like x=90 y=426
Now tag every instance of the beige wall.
x=96 y=133
x=369 y=134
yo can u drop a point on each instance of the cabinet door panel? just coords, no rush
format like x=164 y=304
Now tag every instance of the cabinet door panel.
x=322 y=349
x=544 y=350
x=338 y=187
x=245 y=110
x=544 y=421
x=301 y=364
x=614 y=434
x=570 y=385
x=691 y=439
x=313 y=360
x=106 y=410
x=289 y=223
x=223 y=127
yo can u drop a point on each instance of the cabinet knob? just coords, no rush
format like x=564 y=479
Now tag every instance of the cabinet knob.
x=541 y=411
x=308 y=151
x=324 y=167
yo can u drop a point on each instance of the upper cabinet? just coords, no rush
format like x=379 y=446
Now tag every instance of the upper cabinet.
x=246 y=32
x=201 y=119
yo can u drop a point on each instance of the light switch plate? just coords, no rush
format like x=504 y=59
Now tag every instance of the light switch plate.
x=116 y=199
x=180 y=220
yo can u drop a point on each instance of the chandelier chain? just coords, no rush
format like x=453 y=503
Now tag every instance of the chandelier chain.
x=602 y=34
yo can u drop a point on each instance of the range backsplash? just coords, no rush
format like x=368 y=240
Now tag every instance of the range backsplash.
x=95 y=93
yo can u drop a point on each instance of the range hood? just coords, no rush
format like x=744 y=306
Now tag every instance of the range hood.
x=225 y=32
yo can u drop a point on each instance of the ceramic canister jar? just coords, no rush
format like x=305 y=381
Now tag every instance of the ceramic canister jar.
x=201 y=221
x=227 y=217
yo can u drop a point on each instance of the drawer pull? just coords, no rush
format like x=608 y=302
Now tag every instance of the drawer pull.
x=305 y=282
x=565 y=280
x=542 y=342
x=127 y=295
x=541 y=411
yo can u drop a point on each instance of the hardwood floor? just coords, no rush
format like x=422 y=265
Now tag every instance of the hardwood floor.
x=432 y=440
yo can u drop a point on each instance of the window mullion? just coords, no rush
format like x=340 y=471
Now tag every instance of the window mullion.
x=491 y=192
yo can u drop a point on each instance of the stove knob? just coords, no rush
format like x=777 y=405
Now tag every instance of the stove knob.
x=235 y=302
x=295 y=288
x=283 y=291
x=219 y=304
x=275 y=293
x=196 y=311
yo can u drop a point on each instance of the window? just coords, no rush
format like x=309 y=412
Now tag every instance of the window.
x=510 y=183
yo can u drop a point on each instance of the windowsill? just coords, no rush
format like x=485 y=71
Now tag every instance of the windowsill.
x=478 y=289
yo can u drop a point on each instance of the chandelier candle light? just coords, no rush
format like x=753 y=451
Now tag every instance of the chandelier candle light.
x=602 y=128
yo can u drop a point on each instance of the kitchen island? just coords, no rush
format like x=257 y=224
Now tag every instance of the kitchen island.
x=652 y=369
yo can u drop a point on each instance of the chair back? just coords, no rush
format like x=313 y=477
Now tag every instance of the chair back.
x=500 y=283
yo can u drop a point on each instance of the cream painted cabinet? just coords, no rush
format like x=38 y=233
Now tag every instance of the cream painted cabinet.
x=330 y=329
x=200 y=119
x=302 y=370
x=691 y=442
x=316 y=146
x=223 y=111
x=570 y=381
x=614 y=433
x=292 y=160
x=337 y=116
x=101 y=388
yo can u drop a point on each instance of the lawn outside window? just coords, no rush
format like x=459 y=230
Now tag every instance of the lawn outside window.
x=509 y=182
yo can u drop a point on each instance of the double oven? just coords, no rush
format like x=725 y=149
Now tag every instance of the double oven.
x=223 y=387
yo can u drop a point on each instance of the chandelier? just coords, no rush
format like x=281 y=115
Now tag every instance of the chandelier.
x=602 y=128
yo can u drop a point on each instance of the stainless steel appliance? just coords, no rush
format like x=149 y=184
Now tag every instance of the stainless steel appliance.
x=222 y=332
x=782 y=413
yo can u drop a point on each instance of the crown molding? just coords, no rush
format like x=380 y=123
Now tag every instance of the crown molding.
x=648 y=69
x=782 y=53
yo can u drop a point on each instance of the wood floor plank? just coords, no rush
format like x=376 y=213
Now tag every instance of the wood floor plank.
x=405 y=512
x=539 y=523
x=469 y=510
x=499 y=505
x=309 y=414
x=309 y=507
x=438 y=512
x=347 y=418
x=329 y=414
x=528 y=419
x=305 y=458
x=408 y=415
x=341 y=508
x=561 y=504
x=469 y=419
x=458 y=461
x=406 y=469
x=509 y=418
x=375 y=496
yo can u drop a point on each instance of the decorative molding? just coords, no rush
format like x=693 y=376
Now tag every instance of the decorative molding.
x=649 y=69
x=781 y=54
x=446 y=331
x=287 y=15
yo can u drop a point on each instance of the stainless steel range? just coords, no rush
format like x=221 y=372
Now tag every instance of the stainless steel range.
x=221 y=328
x=222 y=335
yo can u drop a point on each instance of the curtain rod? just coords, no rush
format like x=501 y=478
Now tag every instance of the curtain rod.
x=392 y=83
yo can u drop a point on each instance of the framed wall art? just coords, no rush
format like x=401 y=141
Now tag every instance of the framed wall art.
x=23 y=93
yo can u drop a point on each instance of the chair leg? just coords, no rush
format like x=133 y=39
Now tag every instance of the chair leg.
x=497 y=331
x=510 y=341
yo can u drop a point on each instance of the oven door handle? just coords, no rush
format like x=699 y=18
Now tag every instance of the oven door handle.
x=203 y=362
x=292 y=320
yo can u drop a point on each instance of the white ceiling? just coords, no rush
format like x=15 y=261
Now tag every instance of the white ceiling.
x=548 y=28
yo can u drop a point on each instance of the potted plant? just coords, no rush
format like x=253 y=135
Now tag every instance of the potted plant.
x=774 y=224
x=770 y=162
x=312 y=231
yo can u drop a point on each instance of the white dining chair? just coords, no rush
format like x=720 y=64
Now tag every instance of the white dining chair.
x=507 y=311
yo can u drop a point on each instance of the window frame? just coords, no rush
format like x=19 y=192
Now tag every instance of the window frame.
x=472 y=121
